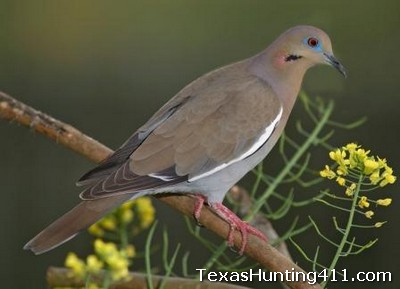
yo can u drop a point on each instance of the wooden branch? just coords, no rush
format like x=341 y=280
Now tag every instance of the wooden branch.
x=261 y=252
x=62 y=133
x=62 y=277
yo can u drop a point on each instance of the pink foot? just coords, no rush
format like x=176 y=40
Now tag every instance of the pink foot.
x=198 y=206
x=234 y=222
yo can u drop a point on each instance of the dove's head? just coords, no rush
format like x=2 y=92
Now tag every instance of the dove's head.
x=302 y=47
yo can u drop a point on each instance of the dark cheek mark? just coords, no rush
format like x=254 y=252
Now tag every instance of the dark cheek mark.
x=292 y=57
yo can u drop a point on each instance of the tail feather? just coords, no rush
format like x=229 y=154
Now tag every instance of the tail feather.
x=79 y=218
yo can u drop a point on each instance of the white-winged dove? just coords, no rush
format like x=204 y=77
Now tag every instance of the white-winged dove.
x=203 y=140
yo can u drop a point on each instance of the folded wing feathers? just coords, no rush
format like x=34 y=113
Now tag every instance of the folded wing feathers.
x=115 y=160
x=174 y=148
x=259 y=142
x=124 y=181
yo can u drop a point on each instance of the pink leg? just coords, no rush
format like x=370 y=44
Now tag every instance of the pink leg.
x=198 y=206
x=236 y=223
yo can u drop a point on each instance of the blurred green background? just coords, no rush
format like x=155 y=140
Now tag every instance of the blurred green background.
x=106 y=66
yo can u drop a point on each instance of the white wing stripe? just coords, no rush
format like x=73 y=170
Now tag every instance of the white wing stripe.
x=161 y=177
x=262 y=139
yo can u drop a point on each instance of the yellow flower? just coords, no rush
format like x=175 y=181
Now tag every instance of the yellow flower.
x=146 y=220
x=389 y=179
x=352 y=158
x=145 y=211
x=350 y=190
x=363 y=203
x=341 y=171
x=337 y=155
x=379 y=224
x=126 y=216
x=143 y=202
x=341 y=181
x=104 y=249
x=109 y=223
x=327 y=173
x=94 y=265
x=119 y=266
x=109 y=248
x=75 y=264
x=388 y=171
x=96 y=230
x=332 y=154
x=369 y=214
x=352 y=146
x=375 y=177
x=384 y=202
x=125 y=212
x=120 y=274
x=130 y=251
x=117 y=262
x=362 y=154
x=382 y=162
x=99 y=245
x=370 y=165
x=128 y=205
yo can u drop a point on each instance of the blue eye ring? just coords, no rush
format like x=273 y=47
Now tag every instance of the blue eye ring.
x=313 y=42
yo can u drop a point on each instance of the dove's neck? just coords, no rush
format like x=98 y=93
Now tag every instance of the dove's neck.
x=285 y=77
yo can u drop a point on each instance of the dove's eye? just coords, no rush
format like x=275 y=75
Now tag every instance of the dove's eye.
x=313 y=42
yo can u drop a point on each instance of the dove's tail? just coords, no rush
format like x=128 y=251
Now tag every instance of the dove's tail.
x=74 y=221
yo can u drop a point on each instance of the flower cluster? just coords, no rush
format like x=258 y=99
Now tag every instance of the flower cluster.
x=145 y=211
x=357 y=170
x=117 y=261
x=82 y=270
x=78 y=266
x=352 y=160
x=108 y=258
x=140 y=212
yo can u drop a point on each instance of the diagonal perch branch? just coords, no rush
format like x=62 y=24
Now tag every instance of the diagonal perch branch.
x=263 y=253
x=16 y=111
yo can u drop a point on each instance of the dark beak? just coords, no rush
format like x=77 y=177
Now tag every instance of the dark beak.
x=331 y=60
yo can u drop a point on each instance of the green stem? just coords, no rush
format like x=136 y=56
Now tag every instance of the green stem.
x=292 y=162
x=346 y=232
x=87 y=280
x=123 y=234
x=215 y=256
x=106 y=279
x=258 y=172
x=149 y=278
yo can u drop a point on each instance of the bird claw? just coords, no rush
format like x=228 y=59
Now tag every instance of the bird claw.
x=232 y=248
x=198 y=206
x=198 y=224
x=235 y=223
